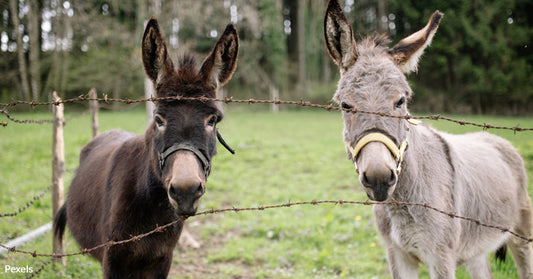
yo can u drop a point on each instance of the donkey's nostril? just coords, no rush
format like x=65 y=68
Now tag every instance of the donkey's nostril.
x=393 y=178
x=172 y=192
x=365 y=181
x=200 y=190
x=374 y=179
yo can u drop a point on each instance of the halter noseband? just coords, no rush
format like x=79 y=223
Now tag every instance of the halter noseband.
x=396 y=151
x=184 y=146
x=206 y=162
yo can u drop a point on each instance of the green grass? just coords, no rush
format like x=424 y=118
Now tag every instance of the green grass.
x=293 y=155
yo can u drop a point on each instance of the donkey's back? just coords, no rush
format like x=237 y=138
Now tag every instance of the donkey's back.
x=104 y=142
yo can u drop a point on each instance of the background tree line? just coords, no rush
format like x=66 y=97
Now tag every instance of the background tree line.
x=481 y=60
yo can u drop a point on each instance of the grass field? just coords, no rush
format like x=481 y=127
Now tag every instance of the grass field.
x=289 y=156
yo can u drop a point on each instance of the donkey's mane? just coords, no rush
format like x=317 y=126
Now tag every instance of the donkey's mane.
x=376 y=43
x=188 y=68
x=186 y=81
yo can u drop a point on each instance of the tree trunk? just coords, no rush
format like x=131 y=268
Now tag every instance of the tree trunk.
x=34 y=31
x=300 y=37
x=67 y=28
x=296 y=44
x=59 y=57
x=381 y=15
x=292 y=44
x=13 y=5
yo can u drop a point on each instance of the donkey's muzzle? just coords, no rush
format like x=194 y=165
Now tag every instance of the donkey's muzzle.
x=379 y=185
x=186 y=200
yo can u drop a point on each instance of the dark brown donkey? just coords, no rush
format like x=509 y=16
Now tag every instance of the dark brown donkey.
x=129 y=184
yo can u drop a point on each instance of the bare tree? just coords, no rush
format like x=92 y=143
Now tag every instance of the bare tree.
x=34 y=32
x=382 y=25
x=13 y=6
x=300 y=38
x=296 y=42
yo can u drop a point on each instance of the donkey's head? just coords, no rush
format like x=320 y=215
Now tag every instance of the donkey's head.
x=372 y=80
x=184 y=131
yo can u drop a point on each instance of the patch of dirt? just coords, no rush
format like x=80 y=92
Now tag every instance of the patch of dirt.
x=191 y=263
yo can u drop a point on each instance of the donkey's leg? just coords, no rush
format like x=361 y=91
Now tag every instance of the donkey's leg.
x=441 y=272
x=401 y=265
x=114 y=267
x=520 y=249
x=158 y=269
x=522 y=255
x=441 y=264
x=479 y=267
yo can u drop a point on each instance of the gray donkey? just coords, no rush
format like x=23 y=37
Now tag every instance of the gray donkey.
x=476 y=175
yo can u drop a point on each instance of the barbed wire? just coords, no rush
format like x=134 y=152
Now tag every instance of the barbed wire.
x=233 y=209
x=107 y=244
x=76 y=115
x=159 y=229
x=25 y=121
x=227 y=100
x=393 y=202
x=28 y=204
x=40 y=268
x=43 y=121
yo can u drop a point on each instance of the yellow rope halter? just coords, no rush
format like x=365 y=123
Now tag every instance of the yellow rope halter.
x=396 y=151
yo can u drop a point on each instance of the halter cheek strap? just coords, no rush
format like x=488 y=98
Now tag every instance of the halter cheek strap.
x=396 y=151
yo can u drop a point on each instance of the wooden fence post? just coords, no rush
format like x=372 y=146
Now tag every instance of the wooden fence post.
x=93 y=107
x=58 y=168
x=274 y=95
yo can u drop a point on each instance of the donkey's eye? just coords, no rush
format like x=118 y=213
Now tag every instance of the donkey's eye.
x=346 y=106
x=212 y=121
x=400 y=103
x=159 y=121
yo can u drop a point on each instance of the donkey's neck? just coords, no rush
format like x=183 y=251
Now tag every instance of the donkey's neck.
x=154 y=182
x=146 y=195
x=427 y=170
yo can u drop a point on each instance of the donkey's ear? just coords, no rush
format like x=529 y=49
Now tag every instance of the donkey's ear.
x=219 y=65
x=156 y=61
x=407 y=51
x=339 y=37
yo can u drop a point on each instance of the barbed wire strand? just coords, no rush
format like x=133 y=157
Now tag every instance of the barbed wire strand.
x=43 y=121
x=212 y=211
x=25 y=121
x=41 y=268
x=261 y=208
x=227 y=100
x=108 y=244
x=28 y=204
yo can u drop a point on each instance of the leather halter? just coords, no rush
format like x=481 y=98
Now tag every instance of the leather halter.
x=206 y=162
x=396 y=151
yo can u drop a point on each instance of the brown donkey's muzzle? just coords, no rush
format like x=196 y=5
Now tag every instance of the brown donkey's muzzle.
x=187 y=199
x=185 y=182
